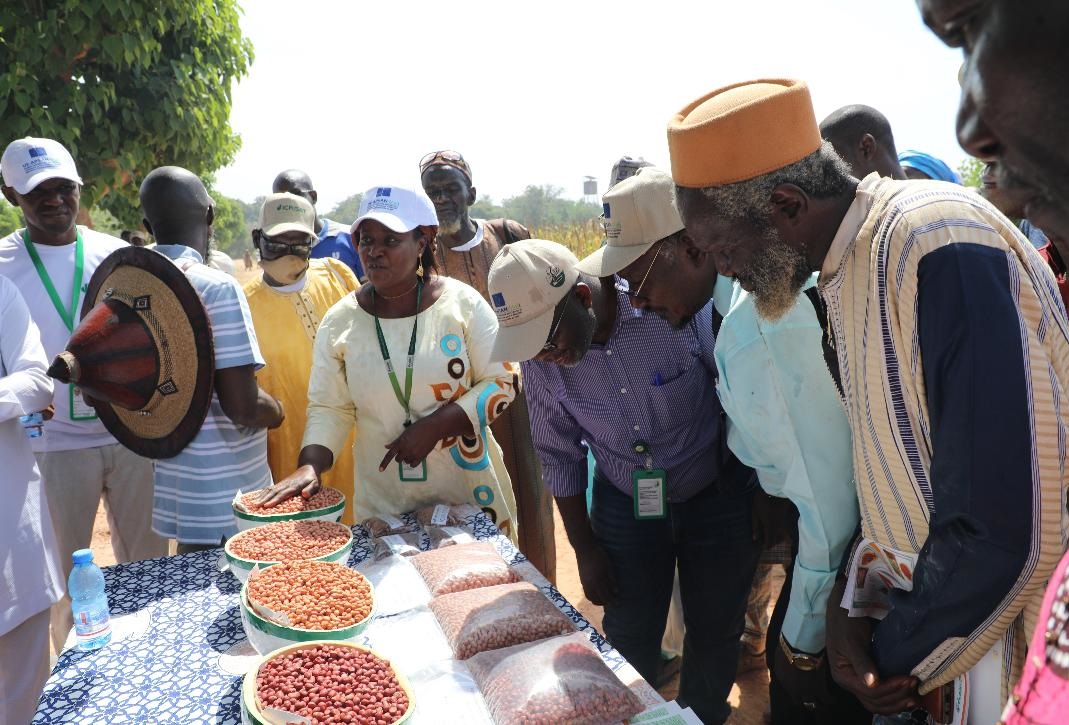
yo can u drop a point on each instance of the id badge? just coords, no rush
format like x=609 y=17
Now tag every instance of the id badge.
x=650 y=493
x=417 y=472
x=80 y=410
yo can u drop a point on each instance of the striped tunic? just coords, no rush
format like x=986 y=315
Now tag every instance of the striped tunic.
x=953 y=352
x=194 y=489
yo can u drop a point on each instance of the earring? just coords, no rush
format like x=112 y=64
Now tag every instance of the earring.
x=419 y=269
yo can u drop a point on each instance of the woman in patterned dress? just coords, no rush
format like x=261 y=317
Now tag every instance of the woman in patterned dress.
x=406 y=360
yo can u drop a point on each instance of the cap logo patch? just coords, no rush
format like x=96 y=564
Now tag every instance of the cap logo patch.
x=555 y=276
x=605 y=210
x=286 y=206
x=383 y=191
x=39 y=159
x=499 y=300
x=382 y=204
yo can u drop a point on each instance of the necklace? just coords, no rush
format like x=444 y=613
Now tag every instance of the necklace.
x=397 y=297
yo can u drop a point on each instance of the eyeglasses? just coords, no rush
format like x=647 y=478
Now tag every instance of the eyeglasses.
x=634 y=294
x=551 y=346
x=448 y=158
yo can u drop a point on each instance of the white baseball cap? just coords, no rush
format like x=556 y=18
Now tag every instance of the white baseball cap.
x=284 y=212
x=527 y=280
x=636 y=214
x=29 y=161
x=399 y=208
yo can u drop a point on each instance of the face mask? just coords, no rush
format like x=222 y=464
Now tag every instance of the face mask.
x=287 y=269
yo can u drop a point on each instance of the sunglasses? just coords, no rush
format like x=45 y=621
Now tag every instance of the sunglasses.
x=636 y=293
x=449 y=158
x=277 y=247
x=551 y=346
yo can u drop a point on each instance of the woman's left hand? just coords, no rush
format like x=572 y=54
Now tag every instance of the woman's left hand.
x=414 y=444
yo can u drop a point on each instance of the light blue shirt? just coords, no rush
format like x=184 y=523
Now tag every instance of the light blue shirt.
x=194 y=490
x=788 y=423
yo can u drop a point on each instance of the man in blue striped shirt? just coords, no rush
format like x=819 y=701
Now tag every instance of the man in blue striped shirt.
x=194 y=489
x=666 y=492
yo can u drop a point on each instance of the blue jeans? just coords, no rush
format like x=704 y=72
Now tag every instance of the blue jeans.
x=709 y=538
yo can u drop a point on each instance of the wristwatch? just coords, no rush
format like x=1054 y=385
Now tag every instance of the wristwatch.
x=802 y=660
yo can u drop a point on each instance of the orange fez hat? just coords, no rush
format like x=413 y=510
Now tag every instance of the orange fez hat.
x=742 y=131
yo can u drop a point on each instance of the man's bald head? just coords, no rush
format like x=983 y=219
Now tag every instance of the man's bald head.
x=177 y=207
x=862 y=136
x=295 y=181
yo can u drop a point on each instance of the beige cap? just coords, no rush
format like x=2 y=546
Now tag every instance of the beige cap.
x=527 y=280
x=284 y=212
x=636 y=213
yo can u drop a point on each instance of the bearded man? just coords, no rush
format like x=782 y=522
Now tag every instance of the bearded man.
x=945 y=335
x=466 y=247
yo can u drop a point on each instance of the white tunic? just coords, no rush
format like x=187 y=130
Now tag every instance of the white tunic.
x=30 y=574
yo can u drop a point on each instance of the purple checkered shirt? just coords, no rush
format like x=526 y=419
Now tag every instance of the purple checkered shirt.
x=612 y=399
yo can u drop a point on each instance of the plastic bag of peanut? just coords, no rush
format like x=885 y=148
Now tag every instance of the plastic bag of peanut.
x=445 y=515
x=447 y=536
x=488 y=618
x=556 y=680
x=387 y=524
x=399 y=544
x=464 y=566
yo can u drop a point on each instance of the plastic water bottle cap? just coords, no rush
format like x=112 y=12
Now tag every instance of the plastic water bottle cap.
x=83 y=556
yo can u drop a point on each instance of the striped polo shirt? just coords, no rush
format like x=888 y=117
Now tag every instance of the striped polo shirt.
x=194 y=489
x=953 y=353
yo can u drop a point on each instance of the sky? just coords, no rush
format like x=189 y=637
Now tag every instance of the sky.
x=549 y=92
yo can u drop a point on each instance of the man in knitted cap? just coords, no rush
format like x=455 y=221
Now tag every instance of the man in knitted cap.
x=947 y=340
x=464 y=250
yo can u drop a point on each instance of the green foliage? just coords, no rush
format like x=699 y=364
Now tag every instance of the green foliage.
x=970 y=170
x=347 y=210
x=485 y=208
x=538 y=206
x=106 y=223
x=233 y=234
x=10 y=218
x=126 y=85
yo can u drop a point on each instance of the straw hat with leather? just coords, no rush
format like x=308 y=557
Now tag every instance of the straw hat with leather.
x=143 y=353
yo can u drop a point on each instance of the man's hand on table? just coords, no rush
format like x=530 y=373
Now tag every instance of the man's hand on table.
x=303 y=481
x=849 y=642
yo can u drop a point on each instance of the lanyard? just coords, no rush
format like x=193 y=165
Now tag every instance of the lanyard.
x=68 y=316
x=405 y=398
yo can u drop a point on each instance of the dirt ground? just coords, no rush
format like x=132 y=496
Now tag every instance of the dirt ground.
x=749 y=696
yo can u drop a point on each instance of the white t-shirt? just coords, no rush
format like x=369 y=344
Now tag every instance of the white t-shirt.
x=62 y=433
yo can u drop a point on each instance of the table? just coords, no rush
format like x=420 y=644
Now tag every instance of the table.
x=175 y=667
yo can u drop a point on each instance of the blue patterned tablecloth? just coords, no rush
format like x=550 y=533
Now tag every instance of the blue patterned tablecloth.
x=171 y=672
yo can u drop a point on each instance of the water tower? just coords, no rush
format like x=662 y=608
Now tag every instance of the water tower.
x=590 y=190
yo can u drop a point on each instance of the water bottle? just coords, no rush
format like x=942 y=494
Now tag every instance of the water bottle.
x=92 y=622
x=33 y=424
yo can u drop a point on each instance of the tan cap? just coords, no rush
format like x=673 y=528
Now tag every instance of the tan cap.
x=527 y=280
x=636 y=213
x=742 y=131
x=284 y=212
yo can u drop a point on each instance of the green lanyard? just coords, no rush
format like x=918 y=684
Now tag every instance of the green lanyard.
x=68 y=316
x=407 y=396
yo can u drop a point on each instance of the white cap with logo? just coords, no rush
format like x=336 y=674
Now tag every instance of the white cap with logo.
x=284 y=212
x=527 y=280
x=637 y=213
x=29 y=161
x=398 y=208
